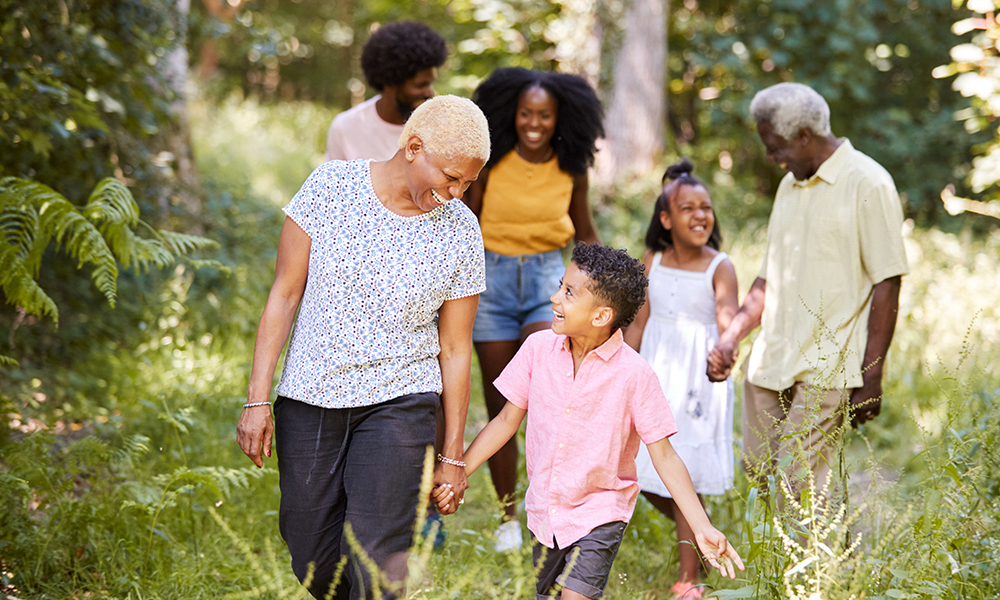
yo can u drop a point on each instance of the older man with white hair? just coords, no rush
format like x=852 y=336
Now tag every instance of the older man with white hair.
x=826 y=296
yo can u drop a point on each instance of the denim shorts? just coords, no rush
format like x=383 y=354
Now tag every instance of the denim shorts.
x=517 y=293
x=582 y=567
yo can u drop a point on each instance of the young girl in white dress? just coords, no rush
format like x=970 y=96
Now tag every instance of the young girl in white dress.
x=691 y=299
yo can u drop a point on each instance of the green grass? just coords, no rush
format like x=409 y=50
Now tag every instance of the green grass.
x=120 y=476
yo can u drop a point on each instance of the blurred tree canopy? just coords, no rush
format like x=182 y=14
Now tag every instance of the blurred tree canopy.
x=871 y=59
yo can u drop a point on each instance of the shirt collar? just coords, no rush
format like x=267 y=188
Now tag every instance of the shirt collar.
x=608 y=349
x=832 y=166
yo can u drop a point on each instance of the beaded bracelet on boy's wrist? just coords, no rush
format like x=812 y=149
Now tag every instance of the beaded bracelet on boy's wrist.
x=451 y=461
x=253 y=404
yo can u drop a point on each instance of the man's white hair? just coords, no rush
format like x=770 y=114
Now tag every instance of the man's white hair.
x=789 y=107
x=450 y=127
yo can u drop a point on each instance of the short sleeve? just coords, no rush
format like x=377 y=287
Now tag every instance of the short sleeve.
x=880 y=225
x=515 y=380
x=309 y=204
x=469 y=277
x=650 y=409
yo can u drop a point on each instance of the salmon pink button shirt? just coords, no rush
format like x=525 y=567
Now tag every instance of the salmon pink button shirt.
x=583 y=431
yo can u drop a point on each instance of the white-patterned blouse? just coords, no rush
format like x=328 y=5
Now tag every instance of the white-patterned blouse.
x=367 y=325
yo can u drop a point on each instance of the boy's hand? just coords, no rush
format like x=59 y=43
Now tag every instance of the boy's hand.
x=717 y=551
x=443 y=495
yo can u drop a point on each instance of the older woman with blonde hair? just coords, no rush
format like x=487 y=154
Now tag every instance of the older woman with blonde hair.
x=384 y=266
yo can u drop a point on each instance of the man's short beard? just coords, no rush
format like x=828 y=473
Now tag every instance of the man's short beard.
x=405 y=110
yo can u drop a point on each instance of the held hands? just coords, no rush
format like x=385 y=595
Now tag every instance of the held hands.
x=450 y=484
x=721 y=360
x=254 y=431
x=716 y=549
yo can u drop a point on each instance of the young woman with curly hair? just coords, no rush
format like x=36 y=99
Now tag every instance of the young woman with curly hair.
x=531 y=200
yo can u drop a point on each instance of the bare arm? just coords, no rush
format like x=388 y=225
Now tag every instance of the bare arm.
x=579 y=211
x=633 y=333
x=473 y=197
x=713 y=544
x=726 y=289
x=255 y=426
x=490 y=439
x=867 y=399
x=455 y=318
x=747 y=318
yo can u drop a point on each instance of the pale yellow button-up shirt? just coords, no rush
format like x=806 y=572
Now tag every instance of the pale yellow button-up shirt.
x=830 y=239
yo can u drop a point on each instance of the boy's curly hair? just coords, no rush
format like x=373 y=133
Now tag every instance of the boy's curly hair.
x=398 y=51
x=616 y=279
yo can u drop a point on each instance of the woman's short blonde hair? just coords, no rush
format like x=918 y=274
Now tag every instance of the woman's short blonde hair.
x=450 y=127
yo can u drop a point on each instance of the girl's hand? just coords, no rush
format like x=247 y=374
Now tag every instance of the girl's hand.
x=716 y=549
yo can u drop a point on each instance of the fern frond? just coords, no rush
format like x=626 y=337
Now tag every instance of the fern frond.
x=19 y=286
x=58 y=220
x=112 y=202
x=18 y=225
x=183 y=243
x=6 y=361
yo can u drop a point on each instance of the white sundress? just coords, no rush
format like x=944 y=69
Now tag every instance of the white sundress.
x=680 y=332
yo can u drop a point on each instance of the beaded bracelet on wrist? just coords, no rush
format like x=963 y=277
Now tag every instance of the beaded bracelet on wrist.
x=253 y=404
x=451 y=461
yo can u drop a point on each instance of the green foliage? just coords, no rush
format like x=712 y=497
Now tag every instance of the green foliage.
x=871 y=60
x=311 y=49
x=977 y=64
x=33 y=216
x=80 y=94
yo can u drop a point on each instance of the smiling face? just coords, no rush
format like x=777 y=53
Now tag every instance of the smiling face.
x=690 y=219
x=576 y=311
x=791 y=155
x=535 y=120
x=433 y=180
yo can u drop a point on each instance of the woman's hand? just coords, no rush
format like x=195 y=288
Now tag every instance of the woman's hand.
x=255 y=431
x=450 y=484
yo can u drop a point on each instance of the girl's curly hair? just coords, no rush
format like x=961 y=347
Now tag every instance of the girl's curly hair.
x=580 y=120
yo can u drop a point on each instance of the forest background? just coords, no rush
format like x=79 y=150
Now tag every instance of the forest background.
x=146 y=148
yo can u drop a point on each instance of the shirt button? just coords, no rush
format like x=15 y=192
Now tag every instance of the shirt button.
x=553 y=511
x=567 y=411
x=560 y=445
x=570 y=374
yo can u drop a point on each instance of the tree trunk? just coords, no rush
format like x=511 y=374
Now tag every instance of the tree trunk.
x=181 y=185
x=637 y=110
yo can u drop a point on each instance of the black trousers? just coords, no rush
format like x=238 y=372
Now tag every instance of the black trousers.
x=360 y=466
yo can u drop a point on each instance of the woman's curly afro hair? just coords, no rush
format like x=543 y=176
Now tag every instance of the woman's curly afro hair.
x=616 y=279
x=398 y=51
x=580 y=120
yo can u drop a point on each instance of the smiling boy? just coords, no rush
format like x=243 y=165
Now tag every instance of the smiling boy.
x=590 y=399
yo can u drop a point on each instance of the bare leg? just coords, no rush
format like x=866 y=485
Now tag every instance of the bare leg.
x=493 y=357
x=571 y=595
x=686 y=548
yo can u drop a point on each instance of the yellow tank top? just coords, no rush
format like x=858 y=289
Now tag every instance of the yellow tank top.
x=526 y=207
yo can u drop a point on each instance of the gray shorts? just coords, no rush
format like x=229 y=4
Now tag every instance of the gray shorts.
x=583 y=567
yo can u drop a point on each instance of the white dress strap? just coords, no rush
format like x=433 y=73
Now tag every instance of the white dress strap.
x=710 y=271
x=656 y=261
